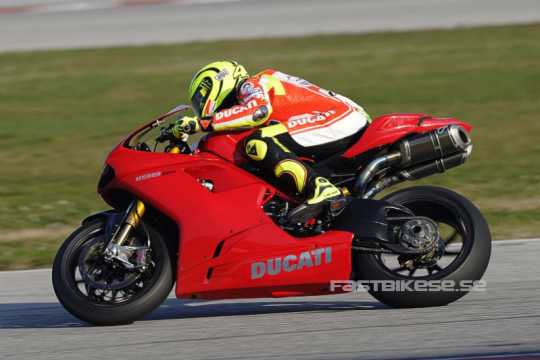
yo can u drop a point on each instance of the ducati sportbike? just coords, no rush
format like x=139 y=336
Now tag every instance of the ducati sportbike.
x=192 y=212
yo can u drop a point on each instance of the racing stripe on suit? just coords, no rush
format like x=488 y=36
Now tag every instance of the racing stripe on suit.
x=254 y=109
x=312 y=115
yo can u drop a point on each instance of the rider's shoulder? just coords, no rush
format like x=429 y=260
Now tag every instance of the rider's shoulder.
x=269 y=71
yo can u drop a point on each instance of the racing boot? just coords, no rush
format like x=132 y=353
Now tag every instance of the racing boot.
x=324 y=195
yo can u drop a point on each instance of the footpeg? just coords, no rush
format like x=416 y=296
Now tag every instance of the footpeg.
x=337 y=206
x=304 y=212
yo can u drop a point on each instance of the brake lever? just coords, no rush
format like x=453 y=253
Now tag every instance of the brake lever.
x=165 y=135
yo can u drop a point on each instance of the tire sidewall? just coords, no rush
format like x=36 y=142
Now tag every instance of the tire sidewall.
x=111 y=314
x=367 y=267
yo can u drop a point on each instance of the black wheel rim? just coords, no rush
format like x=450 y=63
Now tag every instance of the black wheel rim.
x=80 y=278
x=456 y=232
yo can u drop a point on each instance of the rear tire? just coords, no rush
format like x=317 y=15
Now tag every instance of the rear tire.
x=149 y=297
x=470 y=264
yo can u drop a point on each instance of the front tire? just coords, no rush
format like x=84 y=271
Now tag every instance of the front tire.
x=445 y=207
x=99 y=306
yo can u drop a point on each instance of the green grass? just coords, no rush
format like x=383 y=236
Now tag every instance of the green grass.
x=62 y=111
x=30 y=253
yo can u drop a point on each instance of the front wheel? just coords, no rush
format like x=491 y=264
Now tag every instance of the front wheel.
x=105 y=293
x=467 y=249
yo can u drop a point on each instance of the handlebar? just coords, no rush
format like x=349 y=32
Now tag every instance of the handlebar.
x=166 y=135
x=159 y=132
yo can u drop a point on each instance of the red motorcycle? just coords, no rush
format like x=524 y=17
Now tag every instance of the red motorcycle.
x=195 y=213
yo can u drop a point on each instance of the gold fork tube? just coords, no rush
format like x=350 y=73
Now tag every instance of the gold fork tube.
x=132 y=221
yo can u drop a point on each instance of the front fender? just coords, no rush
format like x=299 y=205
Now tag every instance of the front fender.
x=110 y=218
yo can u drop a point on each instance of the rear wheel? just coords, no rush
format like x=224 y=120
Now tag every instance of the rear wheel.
x=467 y=242
x=105 y=293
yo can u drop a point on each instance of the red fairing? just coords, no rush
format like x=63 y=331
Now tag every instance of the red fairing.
x=227 y=145
x=228 y=246
x=388 y=129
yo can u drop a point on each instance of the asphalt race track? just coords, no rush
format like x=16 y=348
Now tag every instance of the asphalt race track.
x=504 y=319
x=90 y=23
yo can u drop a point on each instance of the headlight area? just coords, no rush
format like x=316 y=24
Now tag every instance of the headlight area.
x=107 y=175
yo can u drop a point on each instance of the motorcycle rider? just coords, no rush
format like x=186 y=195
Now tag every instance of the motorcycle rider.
x=294 y=118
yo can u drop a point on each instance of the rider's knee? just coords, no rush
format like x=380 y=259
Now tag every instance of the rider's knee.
x=256 y=148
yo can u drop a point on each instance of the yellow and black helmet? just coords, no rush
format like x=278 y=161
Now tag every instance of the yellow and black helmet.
x=214 y=87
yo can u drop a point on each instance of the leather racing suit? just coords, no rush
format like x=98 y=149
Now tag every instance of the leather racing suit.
x=295 y=118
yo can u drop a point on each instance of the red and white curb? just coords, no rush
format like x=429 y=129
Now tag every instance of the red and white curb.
x=95 y=5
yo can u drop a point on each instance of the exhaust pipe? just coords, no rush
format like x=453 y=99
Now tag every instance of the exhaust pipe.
x=437 y=144
x=436 y=166
x=418 y=156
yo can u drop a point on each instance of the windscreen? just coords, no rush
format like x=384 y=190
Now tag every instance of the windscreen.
x=145 y=138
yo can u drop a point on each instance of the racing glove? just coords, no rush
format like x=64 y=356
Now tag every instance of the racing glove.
x=186 y=125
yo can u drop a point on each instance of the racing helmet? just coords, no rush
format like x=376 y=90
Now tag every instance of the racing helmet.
x=214 y=87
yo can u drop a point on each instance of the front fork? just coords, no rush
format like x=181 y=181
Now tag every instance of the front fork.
x=132 y=218
x=116 y=250
x=133 y=215
x=131 y=257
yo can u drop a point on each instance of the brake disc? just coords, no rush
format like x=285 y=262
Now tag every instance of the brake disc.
x=421 y=234
x=101 y=274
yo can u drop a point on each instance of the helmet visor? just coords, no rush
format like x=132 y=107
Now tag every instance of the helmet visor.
x=200 y=97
